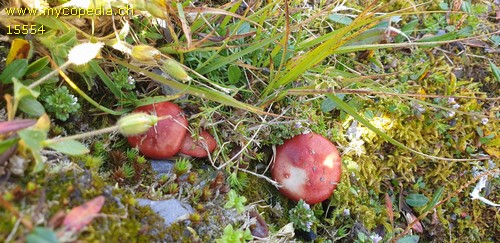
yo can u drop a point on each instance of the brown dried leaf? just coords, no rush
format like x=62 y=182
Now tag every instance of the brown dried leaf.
x=390 y=210
x=82 y=215
x=259 y=229
x=57 y=219
x=417 y=226
x=15 y=125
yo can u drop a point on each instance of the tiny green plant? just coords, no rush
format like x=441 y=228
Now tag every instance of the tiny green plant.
x=182 y=166
x=61 y=103
x=235 y=201
x=132 y=153
x=128 y=171
x=302 y=216
x=122 y=79
x=238 y=180
x=232 y=235
x=93 y=162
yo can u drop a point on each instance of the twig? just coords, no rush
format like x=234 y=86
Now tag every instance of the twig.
x=8 y=206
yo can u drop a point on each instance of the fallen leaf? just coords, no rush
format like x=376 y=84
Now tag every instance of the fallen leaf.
x=417 y=226
x=80 y=216
x=495 y=152
x=259 y=229
x=19 y=49
x=388 y=206
x=57 y=219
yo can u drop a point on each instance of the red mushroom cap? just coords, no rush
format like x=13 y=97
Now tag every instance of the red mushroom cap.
x=164 y=139
x=197 y=148
x=308 y=167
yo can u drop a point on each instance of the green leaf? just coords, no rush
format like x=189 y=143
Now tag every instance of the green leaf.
x=244 y=28
x=222 y=61
x=495 y=71
x=417 y=200
x=42 y=235
x=32 y=138
x=153 y=35
x=8 y=143
x=327 y=105
x=435 y=199
x=464 y=32
x=105 y=78
x=444 y=6
x=38 y=65
x=31 y=106
x=486 y=140
x=340 y=18
x=370 y=36
x=67 y=40
x=407 y=29
x=409 y=239
x=70 y=147
x=21 y=91
x=51 y=22
x=16 y=69
x=233 y=74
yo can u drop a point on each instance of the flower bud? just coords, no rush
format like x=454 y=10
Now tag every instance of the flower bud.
x=144 y=53
x=174 y=70
x=136 y=123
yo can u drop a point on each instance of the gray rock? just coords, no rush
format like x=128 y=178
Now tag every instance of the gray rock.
x=162 y=167
x=170 y=210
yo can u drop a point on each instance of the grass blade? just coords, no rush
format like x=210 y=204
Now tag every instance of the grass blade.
x=223 y=61
x=201 y=92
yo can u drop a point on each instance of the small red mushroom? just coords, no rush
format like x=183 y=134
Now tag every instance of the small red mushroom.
x=307 y=167
x=163 y=140
x=197 y=148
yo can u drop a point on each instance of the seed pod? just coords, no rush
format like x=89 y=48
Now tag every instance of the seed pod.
x=136 y=123
x=174 y=70
x=144 y=53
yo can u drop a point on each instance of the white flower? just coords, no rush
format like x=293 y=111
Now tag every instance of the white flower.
x=484 y=121
x=376 y=238
x=131 y=80
x=353 y=133
x=308 y=225
x=83 y=53
x=356 y=145
x=455 y=106
x=306 y=206
x=420 y=108
x=75 y=100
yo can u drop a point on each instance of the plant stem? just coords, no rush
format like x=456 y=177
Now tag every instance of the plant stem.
x=86 y=97
x=44 y=78
x=82 y=135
